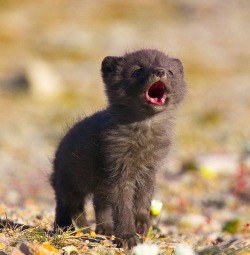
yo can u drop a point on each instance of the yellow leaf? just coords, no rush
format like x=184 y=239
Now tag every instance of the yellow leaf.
x=79 y=234
x=112 y=238
x=92 y=234
x=49 y=247
x=2 y=246
x=207 y=172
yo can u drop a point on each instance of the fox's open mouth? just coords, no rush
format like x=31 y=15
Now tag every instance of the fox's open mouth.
x=156 y=93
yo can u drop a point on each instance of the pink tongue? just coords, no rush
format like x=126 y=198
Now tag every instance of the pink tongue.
x=158 y=101
x=156 y=94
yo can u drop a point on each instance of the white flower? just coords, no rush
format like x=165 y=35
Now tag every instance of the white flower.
x=156 y=206
x=183 y=249
x=146 y=249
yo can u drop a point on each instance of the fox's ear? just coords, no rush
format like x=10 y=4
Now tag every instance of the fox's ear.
x=176 y=66
x=179 y=84
x=109 y=64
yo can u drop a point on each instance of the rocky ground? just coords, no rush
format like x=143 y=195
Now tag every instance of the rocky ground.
x=50 y=57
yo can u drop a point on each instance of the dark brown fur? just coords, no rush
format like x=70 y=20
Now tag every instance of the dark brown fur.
x=115 y=153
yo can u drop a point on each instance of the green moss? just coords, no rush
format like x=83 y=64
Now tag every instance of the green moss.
x=232 y=226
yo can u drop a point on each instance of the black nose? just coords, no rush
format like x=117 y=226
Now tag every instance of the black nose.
x=160 y=72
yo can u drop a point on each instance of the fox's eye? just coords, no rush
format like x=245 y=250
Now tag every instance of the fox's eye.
x=170 y=73
x=138 y=72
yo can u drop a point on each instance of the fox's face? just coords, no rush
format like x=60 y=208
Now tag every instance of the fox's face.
x=144 y=80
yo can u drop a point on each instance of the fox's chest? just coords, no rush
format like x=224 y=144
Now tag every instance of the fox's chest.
x=137 y=147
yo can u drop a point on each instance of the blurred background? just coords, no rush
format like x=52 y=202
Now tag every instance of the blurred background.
x=50 y=56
